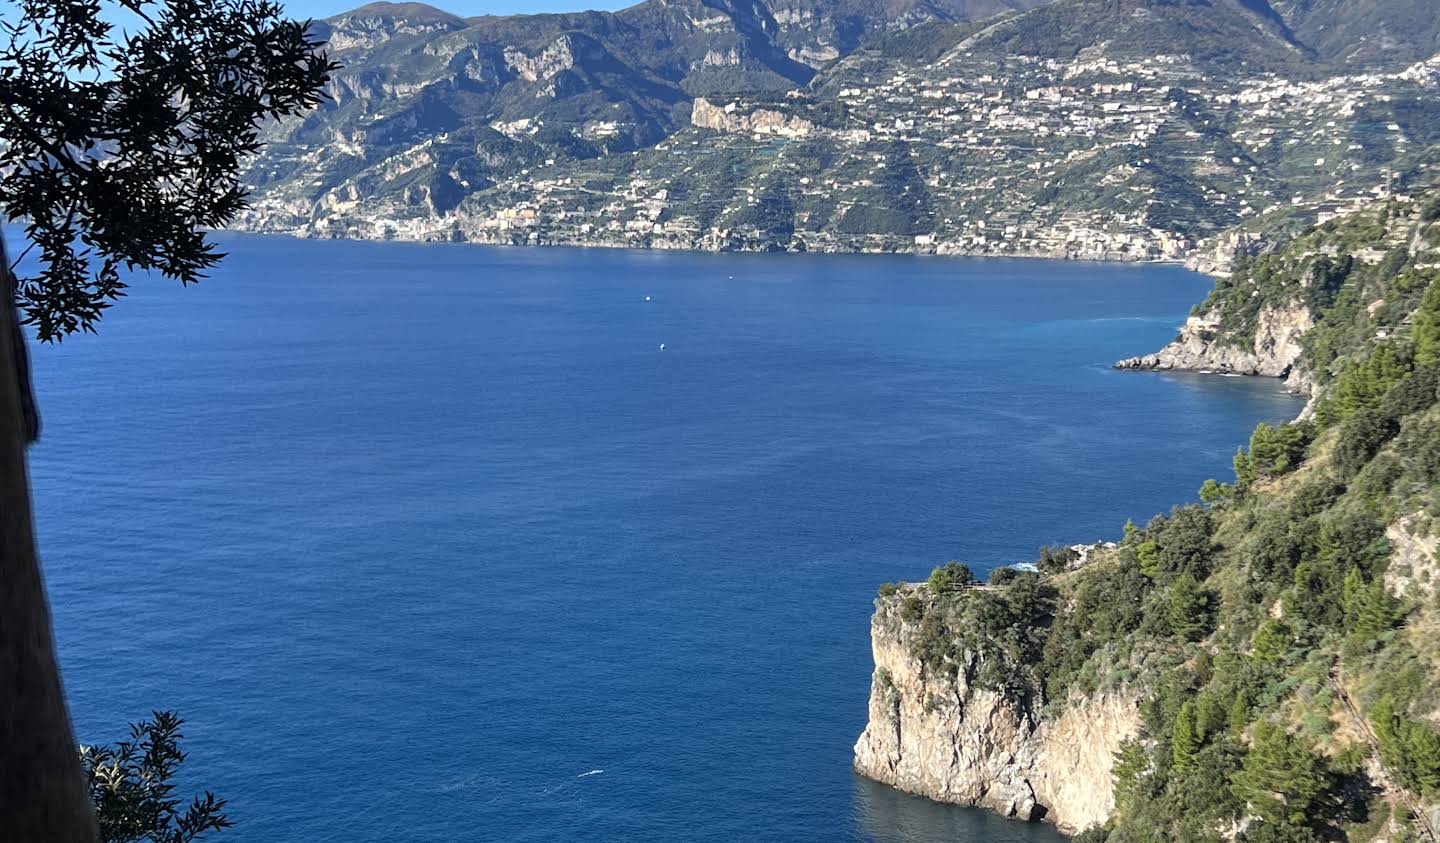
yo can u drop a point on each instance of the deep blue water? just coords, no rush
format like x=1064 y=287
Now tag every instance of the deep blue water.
x=416 y=536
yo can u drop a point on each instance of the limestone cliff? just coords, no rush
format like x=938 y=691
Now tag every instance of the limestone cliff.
x=1018 y=696
x=1204 y=346
x=1414 y=559
x=555 y=58
x=730 y=118
x=945 y=738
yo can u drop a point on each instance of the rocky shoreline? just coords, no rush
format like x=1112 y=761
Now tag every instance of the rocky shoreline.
x=1203 y=345
x=941 y=737
x=938 y=736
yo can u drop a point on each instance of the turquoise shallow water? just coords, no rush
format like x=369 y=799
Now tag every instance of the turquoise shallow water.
x=436 y=543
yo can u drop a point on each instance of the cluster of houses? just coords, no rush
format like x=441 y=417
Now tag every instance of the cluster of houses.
x=1093 y=158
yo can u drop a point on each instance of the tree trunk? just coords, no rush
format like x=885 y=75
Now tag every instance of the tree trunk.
x=43 y=797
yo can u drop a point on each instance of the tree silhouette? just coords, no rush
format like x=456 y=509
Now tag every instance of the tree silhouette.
x=119 y=148
x=132 y=787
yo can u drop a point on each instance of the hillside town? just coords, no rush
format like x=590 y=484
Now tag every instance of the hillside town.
x=1092 y=158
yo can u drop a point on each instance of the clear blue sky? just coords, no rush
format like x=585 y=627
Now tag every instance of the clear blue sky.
x=464 y=8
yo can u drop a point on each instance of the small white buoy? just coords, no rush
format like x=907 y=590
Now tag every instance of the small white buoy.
x=662 y=346
x=647 y=298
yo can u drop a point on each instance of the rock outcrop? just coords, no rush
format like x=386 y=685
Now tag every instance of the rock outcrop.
x=1204 y=346
x=557 y=57
x=943 y=738
x=731 y=119
x=1217 y=255
x=1414 y=560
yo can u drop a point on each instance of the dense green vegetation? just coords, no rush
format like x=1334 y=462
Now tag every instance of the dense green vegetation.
x=995 y=637
x=1276 y=634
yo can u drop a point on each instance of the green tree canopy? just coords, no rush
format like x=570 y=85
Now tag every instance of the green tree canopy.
x=1408 y=748
x=1375 y=610
x=1281 y=779
x=1185 y=742
x=1363 y=384
x=1188 y=610
x=1128 y=773
x=952 y=576
x=1274 y=450
x=1426 y=326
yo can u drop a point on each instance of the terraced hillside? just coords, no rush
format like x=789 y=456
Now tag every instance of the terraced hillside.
x=1130 y=129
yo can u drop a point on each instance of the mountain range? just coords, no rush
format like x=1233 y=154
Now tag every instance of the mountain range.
x=1077 y=128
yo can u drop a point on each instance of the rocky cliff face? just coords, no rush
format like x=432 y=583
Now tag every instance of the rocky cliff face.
x=959 y=669
x=728 y=118
x=1414 y=561
x=1204 y=346
x=941 y=737
x=1217 y=255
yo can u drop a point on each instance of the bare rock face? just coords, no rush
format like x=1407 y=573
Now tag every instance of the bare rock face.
x=760 y=121
x=1217 y=255
x=559 y=56
x=1414 y=559
x=1203 y=347
x=939 y=737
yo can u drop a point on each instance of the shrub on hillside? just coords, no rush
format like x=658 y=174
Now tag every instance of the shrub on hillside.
x=952 y=576
x=1361 y=437
x=1273 y=451
x=1056 y=559
x=1006 y=575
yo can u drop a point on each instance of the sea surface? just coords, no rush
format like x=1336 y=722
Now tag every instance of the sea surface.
x=437 y=543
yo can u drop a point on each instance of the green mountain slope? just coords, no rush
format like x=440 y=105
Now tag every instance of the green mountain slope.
x=1359 y=31
x=592 y=82
x=1121 y=129
x=1278 y=637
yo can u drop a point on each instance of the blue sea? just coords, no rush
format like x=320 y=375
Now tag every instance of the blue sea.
x=437 y=543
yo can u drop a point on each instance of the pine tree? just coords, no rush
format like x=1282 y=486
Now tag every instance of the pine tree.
x=1188 y=610
x=1377 y=611
x=1272 y=641
x=1185 y=742
x=1422 y=750
x=1209 y=716
x=1214 y=492
x=1148 y=554
x=952 y=576
x=1244 y=470
x=1426 y=326
x=1410 y=750
x=1385 y=722
x=1352 y=594
x=1239 y=715
x=1128 y=772
x=1281 y=780
x=1276 y=450
x=1361 y=386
